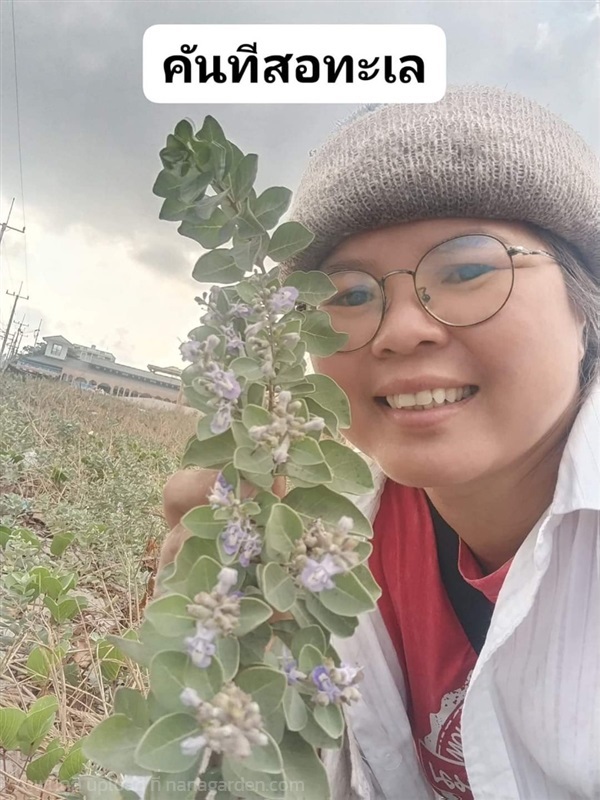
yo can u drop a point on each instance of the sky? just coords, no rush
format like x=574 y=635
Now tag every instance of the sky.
x=96 y=263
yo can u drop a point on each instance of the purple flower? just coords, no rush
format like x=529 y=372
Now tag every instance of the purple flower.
x=221 y=421
x=201 y=647
x=292 y=672
x=240 y=310
x=233 y=536
x=283 y=300
x=220 y=496
x=251 y=547
x=190 y=350
x=322 y=680
x=224 y=384
x=317 y=575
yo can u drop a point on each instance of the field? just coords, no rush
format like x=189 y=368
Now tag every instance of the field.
x=81 y=479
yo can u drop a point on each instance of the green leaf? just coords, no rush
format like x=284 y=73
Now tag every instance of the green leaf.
x=307 y=477
x=133 y=705
x=211 y=131
x=210 y=453
x=51 y=586
x=330 y=719
x=228 y=653
x=177 y=786
x=40 y=768
x=210 y=233
x=73 y=763
x=183 y=131
x=339 y=626
x=171 y=672
x=329 y=395
x=351 y=473
x=248 y=225
x=166 y=183
x=306 y=453
x=253 y=646
x=254 y=461
x=11 y=720
x=201 y=522
x=244 y=780
x=271 y=205
x=255 y=415
x=265 y=758
x=110 y=658
x=248 y=368
x=253 y=612
x=174 y=209
x=318 y=335
x=218 y=266
x=193 y=186
x=320 y=502
x=295 y=710
x=204 y=576
x=190 y=552
x=246 y=251
x=363 y=574
x=283 y=529
x=278 y=588
x=316 y=736
x=243 y=177
x=170 y=617
x=112 y=744
x=312 y=635
x=288 y=240
x=304 y=772
x=39 y=721
x=160 y=747
x=42 y=660
x=66 y=608
x=133 y=649
x=309 y=658
x=349 y=597
x=266 y=686
x=60 y=542
x=314 y=287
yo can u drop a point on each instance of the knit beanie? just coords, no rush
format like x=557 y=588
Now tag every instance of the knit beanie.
x=479 y=152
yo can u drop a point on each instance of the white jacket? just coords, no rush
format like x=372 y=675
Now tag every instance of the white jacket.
x=531 y=714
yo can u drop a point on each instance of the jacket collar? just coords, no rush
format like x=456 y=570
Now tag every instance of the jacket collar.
x=578 y=483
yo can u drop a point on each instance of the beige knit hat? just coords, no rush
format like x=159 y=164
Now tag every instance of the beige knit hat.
x=479 y=152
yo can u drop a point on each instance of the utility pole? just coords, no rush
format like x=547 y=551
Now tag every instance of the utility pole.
x=17 y=297
x=4 y=226
x=37 y=333
x=16 y=339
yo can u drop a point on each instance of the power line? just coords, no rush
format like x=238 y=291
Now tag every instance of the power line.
x=14 y=37
x=18 y=296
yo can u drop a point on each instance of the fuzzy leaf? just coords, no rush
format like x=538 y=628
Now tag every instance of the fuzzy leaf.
x=217 y=266
x=266 y=686
x=349 y=597
x=271 y=205
x=321 y=502
x=133 y=705
x=278 y=588
x=253 y=612
x=160 y=747
x=304 y=772
x=288 y=240
x=314 y=287
x=330 y=719
x=171 y=672
x=170 y=617
x=112 y=744
x=295 y=710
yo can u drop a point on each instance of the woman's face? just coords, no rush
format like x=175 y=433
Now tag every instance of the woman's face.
x=524 y=361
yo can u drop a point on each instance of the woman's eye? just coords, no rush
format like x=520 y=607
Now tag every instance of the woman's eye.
x=467 y=272
x=355 y=297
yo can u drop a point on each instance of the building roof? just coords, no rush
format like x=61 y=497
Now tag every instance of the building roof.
x=57 y=340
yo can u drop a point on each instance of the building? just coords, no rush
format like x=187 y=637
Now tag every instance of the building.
x=87 y=366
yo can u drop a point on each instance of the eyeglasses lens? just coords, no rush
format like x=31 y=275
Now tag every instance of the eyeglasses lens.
x=462 y=281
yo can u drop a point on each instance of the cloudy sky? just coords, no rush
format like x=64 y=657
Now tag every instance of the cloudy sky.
x=98 y=265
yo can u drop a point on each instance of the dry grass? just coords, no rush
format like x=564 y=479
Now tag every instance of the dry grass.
x=94 y=466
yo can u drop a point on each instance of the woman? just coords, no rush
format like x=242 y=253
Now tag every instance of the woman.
x=464 y=241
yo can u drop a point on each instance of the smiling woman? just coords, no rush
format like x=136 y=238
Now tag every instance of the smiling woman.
x=463 y=240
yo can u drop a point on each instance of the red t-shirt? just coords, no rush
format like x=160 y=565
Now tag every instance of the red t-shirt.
x=434 y=651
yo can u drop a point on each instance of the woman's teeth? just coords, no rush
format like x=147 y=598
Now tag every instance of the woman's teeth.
x=429 y=398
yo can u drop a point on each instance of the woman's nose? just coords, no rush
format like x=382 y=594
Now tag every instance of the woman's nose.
x=405 y=322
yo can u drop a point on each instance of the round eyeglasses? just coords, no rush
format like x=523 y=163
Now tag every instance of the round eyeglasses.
x=460 y=282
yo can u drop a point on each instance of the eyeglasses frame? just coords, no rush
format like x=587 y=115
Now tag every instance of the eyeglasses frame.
x=511 y=250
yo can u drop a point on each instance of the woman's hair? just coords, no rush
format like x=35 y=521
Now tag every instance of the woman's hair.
x=584 y=296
